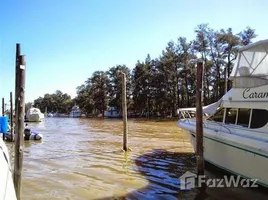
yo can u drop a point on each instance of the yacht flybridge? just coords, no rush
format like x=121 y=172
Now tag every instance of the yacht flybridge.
x=236 y=127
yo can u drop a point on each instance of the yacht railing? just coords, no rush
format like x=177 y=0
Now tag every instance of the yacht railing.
x=184 y=113
x=190 y=114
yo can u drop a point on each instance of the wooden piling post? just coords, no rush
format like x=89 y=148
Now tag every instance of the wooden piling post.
x=19 y=141
x=199 y=120
x=3 y=113
x=17 y=69
x=17 y=62
x=3 y=106
x=202 y=86
x=11 y=117
x=124 y=109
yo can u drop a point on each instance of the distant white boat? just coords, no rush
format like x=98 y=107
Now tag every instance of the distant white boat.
x=75 y=112
x=7 y=190
x=34 y=115
x=112 y=112
x=49 y=115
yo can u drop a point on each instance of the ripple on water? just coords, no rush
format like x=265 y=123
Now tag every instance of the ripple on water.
x=81 y=159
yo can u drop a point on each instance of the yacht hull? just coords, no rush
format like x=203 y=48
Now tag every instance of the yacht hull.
x=35 y=118
x=228 y=155
x=7 y=190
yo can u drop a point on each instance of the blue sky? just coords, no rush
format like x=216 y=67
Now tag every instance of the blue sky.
x=65 y=41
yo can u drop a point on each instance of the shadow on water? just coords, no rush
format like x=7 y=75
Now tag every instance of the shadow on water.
x=163 y=168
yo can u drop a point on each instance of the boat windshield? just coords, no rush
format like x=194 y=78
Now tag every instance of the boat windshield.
x=250 y=67
x=218 y=116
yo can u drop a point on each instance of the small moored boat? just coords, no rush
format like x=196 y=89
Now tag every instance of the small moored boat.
x=34 y=115
x=76 y=112
x=28 y=135
x=49 y=115
x=112 y=112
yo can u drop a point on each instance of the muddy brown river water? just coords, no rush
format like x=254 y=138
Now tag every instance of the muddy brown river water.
x=81 y=159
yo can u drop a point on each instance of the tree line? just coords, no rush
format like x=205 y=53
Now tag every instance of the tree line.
x=58 y=102
x=159 y=86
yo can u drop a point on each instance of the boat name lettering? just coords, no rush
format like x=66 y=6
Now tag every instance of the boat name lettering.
x=254 y=95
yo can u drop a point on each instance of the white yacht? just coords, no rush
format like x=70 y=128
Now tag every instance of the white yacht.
x=75 y=112
x=112 y=112
x=236 y=130
x=34 y=115
x=7 y=190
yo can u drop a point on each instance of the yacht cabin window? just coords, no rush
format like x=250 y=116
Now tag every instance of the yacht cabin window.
x=243 y=117
x=231 y=114
x=259 y=118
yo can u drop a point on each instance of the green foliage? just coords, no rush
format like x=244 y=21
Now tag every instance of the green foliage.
x=158 y=87
x=115 y=85
x=84 y=99
x=57 y=102
x=99 y=83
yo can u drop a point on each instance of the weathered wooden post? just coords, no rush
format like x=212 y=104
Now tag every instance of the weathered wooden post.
x=124 y=109
x=199 y=120
x=19 y=141
x=3 y=106
x=11 y=118
x=202 y=86
x=3 y=113
x=17 y=62
x=17 y=68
